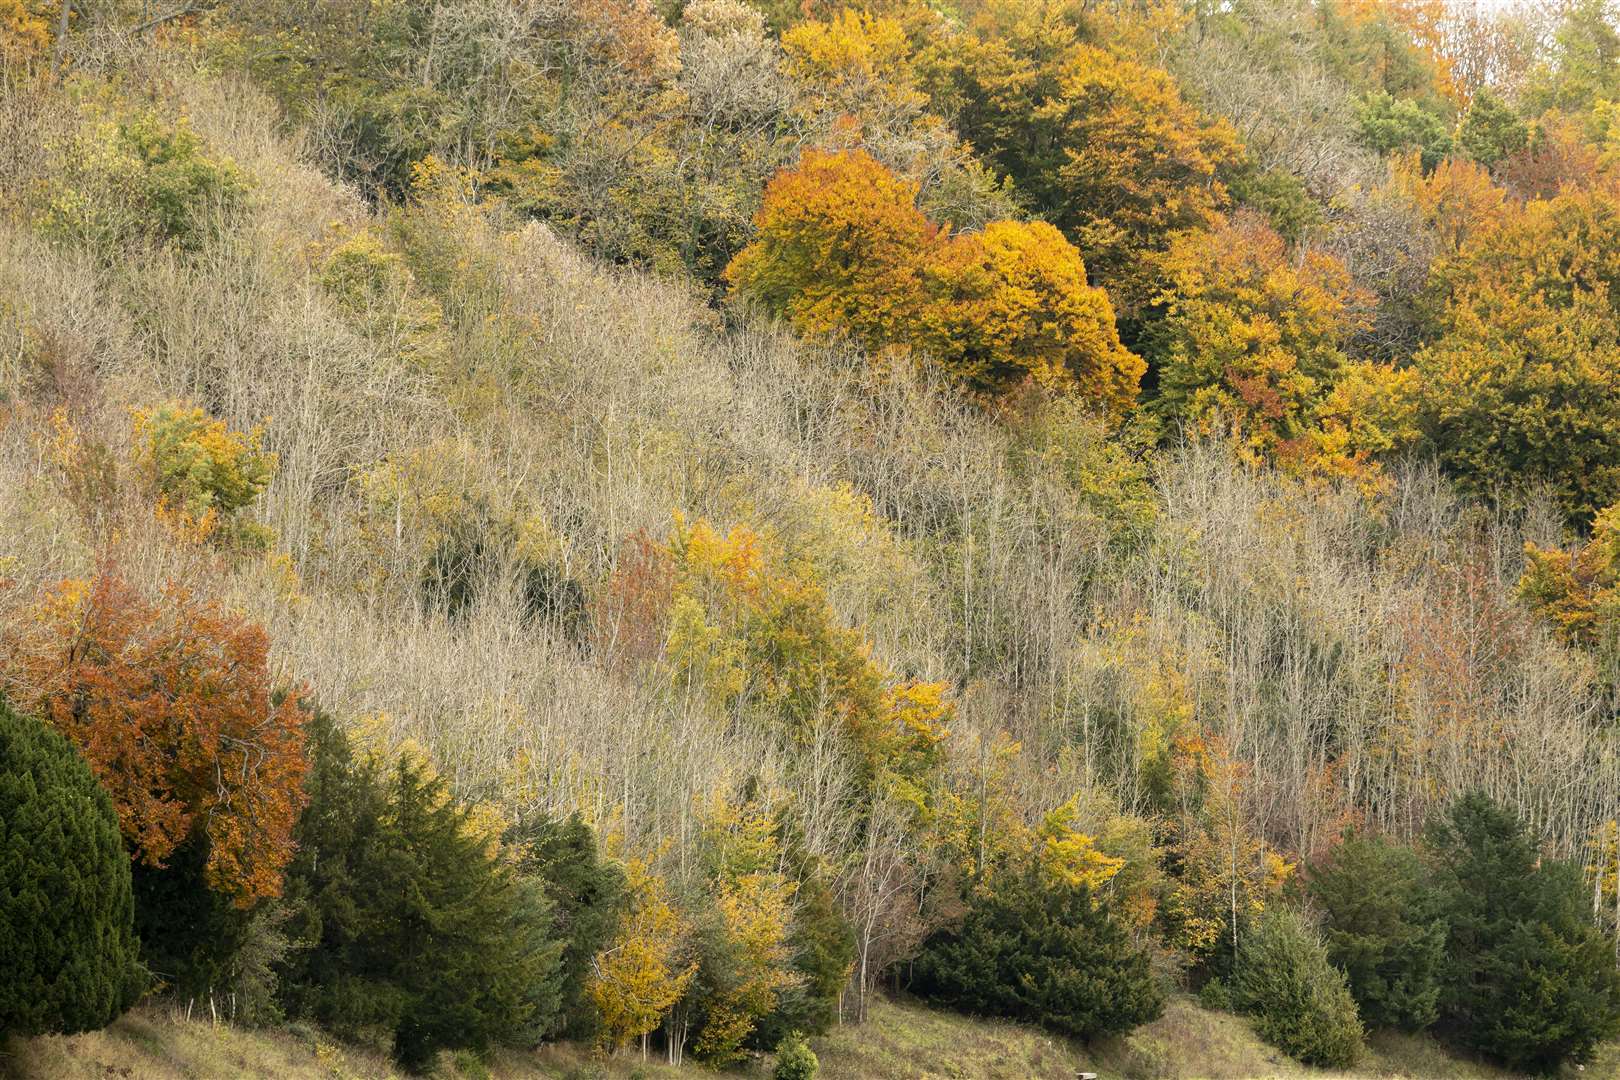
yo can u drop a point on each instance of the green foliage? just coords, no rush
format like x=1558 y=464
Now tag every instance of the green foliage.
x=1528 y=979
x=794 y=1059
x=200 y=943
x=202 y=472
x=66 y=913
x=1382 y=930
x=1585 y=63
x=1300 y=1002
x=1491 y=130
x=1279 y=195
x=586 y=893
x=822 y=943
x=1215 y=995
x=1035 y=947
x=141 y=178
x=409 y=924
x=1391 y=124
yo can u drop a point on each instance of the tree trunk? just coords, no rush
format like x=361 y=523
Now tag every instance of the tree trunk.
x=61 y=32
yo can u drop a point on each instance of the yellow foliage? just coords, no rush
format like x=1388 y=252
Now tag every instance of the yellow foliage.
x=1070 y=854
x=1458 y=200
x=854 y=56
x=1253 y=343
x=1578 y=594
x=842 y=249
x=201 y=472
x=640 y=975
x=839 y=249
x=25 y=33
x=755 y=631
x=756 y=914
x=1012 y=303
x=1371 y=412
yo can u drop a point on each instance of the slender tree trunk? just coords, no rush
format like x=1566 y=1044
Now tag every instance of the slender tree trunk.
x=61 y=32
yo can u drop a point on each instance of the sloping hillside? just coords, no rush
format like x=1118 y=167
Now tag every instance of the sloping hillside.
x=901 y=1042
x=543 y=522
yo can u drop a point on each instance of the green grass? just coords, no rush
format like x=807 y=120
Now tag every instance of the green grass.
x=902 y=1040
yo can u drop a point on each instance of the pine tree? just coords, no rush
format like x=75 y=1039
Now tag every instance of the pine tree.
x=1528 y=980
x=1036 y=947
x=412 y=922
x=1382 y=929
x=67 y=942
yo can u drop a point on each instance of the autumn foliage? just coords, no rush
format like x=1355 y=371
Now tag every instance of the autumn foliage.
x=842 y=249
x=170 y=703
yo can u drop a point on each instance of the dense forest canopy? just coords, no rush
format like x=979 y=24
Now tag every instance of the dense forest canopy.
x=730 y=504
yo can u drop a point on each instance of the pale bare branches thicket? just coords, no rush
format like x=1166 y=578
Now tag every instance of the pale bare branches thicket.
x=1363 y=659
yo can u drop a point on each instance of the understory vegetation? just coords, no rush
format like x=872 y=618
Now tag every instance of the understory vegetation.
x=642 y=528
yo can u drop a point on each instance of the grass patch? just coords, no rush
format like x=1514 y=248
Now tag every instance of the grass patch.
x=903 y=1040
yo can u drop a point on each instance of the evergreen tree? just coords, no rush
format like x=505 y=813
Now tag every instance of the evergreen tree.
x=411 y=923
x=1036 y=947
x=67 y=942
x=1300 y=1003
x=1528 y=980
x=1382 y=930
x=586 y=893
x=1491 y=131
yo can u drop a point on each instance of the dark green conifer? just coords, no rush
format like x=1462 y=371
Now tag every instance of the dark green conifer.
x=409 y=923
x=1528 y=980
x=68 y=955
x=1037 y=948
x=1382 y=929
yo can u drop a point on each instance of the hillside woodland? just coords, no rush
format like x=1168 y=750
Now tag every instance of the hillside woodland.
x=654 y=526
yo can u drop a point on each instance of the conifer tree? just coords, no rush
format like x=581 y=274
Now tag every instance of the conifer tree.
x=1037 y=947
x=1299 y=1001
x=1528 y=980
x=1382 y=930
x=67 y=943
x=412 y=921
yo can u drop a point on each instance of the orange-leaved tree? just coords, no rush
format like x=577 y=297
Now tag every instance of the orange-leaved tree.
x=1012 y=302
x=843 y=249
x=840 y=249
x=1253 y=338
x=170 y=704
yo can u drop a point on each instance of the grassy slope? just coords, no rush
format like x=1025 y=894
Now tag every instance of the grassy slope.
x=902 y=1042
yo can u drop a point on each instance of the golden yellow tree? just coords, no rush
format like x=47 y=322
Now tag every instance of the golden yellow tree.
x=1579 y=594
x=25 y=32
x=1253 y=339
x=1011 y=303
x=842 y=249
x=839 y=249
x=642 y=973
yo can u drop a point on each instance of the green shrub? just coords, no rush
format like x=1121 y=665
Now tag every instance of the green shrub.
x=1299 y=1001
x=795 y=1060
x=66 y=912
x=1382 y=930
x=1037 y=948
x=1215 y=995
x=140 y=178
x=1528 y=979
